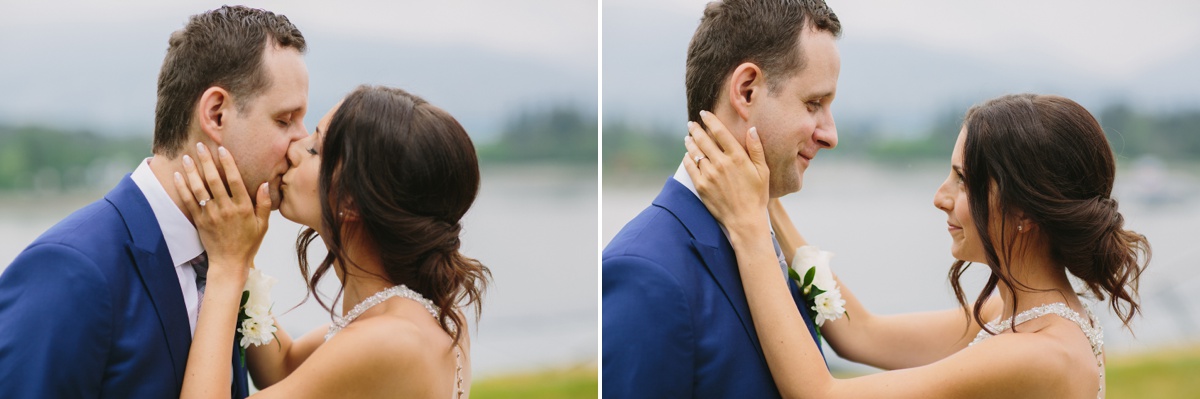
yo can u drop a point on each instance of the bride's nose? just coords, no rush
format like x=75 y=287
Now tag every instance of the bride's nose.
x=293 y=151
x=942 y=199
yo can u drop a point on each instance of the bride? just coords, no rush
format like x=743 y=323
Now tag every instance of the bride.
x=383 y=182
x=1028 y=194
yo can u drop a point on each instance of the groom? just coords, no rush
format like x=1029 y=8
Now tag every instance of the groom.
x=676 y=321
x=104 y=304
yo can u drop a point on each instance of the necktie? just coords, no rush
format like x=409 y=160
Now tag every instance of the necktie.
x=200 y=265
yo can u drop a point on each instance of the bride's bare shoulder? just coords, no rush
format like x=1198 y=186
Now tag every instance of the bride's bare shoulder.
x=396 y=339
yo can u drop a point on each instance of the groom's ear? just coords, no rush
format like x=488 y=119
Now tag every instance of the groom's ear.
x=212 y=112
x=745 y=84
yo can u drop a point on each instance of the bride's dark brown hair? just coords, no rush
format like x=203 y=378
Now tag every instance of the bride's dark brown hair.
x=409 y=172
x=1048 y=160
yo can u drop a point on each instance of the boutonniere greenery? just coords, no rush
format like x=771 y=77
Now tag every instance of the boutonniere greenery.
x=255 y=323
x=820 y=290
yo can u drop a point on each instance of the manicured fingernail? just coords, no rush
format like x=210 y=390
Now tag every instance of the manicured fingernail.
x=221 y=150
x=178 y=177
x=754 y=132
x=187 y=160
x=265 y=186
x=703 y=112
x=687 y=139
x=201 y=148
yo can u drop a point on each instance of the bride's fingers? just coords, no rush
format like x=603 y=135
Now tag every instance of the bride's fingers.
x=720 y=133
x=195 y=183
x=211 y=176
x=262 y=207
x=693 y=152
x=754 y=149
x=707 y=147
x=185 y=195
x=693 y=170
x=237 y=188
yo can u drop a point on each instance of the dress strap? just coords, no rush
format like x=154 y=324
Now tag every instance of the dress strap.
x=1090 y=326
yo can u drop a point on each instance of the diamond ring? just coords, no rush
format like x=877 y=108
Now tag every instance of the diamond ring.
x=698 y=159
x=202 y=202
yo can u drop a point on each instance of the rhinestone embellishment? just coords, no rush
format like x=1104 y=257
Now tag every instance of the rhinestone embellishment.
x=1091 y=329
x=400 y=290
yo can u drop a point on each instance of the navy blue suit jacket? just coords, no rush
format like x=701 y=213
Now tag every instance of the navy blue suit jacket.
x=93 y=309
x=676 y=322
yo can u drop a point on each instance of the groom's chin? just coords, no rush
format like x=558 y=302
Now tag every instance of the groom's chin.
x=791 y=185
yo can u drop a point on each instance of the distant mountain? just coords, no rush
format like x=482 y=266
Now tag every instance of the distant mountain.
x=898 y=87
x=106 y=82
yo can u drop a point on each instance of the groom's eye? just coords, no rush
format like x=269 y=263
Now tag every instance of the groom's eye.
x=283 y=123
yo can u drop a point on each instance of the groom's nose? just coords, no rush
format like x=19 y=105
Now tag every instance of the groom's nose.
x=298 y=132
x=826 y=133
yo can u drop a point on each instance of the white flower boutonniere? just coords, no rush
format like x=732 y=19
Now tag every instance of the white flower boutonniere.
x=255 y=323
x=820 y=290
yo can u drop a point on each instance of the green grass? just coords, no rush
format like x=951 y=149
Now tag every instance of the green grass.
x=1164 y=374
x=570 y=383
x=1168 y=373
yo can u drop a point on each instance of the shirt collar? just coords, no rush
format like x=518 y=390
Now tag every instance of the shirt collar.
x=183 y=241
x=681 y=176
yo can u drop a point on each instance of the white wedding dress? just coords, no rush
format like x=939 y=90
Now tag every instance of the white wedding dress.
x=1091 y=328
x=404 y=292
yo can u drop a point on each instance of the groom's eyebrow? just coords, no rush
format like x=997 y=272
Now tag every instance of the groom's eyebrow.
x=818 y=96
x=291 y=112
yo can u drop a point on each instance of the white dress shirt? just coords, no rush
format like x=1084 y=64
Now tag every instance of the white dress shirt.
x=682 y=176
x=183 y=241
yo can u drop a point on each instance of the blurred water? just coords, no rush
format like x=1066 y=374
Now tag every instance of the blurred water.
x=535 y=228
x=893 y=249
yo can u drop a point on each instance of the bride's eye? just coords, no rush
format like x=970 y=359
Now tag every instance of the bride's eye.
x=312 y=151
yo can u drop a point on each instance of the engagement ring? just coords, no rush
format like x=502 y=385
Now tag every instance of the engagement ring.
x=698 y=159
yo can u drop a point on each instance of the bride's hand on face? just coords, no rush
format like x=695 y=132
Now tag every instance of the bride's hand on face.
x=732 y=182
x=231 y=227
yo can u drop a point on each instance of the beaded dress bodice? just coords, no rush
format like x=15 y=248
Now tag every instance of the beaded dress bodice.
x=1091 y=329
x=404 y=292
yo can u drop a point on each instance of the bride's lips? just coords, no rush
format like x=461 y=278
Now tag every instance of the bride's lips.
x=953 y=228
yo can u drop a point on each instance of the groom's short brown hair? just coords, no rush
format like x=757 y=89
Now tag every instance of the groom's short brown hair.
x=764 y=32
x=224 y=48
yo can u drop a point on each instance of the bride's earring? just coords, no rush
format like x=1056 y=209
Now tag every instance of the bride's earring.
x=1020 y=228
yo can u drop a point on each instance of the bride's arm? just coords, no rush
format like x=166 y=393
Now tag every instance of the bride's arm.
x=270 y=363
x=231 y=228
x=1012 y=365
x=885 y=341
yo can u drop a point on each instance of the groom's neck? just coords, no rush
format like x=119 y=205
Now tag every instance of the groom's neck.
x=164 y=170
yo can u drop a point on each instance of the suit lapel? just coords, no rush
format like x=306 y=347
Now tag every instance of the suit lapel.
x=713 y=248
x=156 y=270
x=718 y=256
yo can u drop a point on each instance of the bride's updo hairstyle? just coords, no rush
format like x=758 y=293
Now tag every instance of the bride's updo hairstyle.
x=1047 y=159
x=403 y=173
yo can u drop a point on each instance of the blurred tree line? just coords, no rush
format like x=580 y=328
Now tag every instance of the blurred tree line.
x=1171 y=136
x=36 y=158
x=46 y=159
x=561 y=135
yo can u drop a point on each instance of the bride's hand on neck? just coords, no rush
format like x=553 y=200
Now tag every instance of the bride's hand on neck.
x=732 y=182
x=231 y=227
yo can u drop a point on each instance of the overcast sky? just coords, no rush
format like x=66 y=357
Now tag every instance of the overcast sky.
x=555 y=31
x=906 y=63
x=1114 y=38
x=93 y=64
